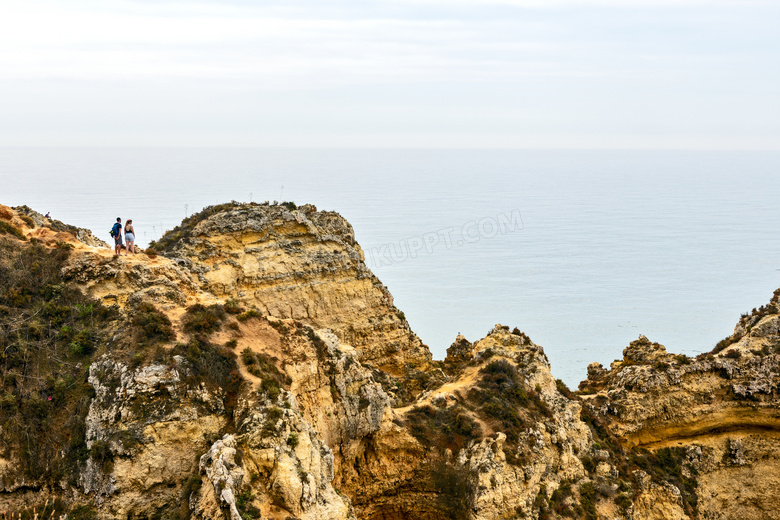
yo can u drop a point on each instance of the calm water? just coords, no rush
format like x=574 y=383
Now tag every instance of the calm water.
x=583 y=251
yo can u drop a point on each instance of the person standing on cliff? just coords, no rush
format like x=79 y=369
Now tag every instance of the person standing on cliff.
x=129 y=237
x=116 y=232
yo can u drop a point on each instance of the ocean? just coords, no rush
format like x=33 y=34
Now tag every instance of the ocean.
x=582 y=250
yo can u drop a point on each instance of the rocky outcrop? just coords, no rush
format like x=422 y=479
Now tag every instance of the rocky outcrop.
x=652 y=396
x=43 y=228
x=294 y=468
x=147 y=424
x=460 y=351
x=398 y=473
x=301 y=264
x=723 y=407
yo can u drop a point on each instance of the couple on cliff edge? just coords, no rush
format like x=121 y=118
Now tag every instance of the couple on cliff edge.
x=116 y=232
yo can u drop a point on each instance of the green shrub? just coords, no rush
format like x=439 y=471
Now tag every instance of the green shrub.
x=272 y=417
x=152 y=325
x=251 y=313
x=270 y=387
x=559 y=501
x=541 y=504
x=80 y=349
x=244 y=504
x=564 y=390
x=264 y=367
x=280 y=326
x=588 y=501
x=248 y=357
x=216 y=366
x=623 y=501
x=204 y=320
x=523 y=335
x=442 y=428
x=6 y=228
x=682 y=359
x=589 y=463
x=28 y=221
x=101 y=453
x=233 y=307
x=722 y=344
x=85 y=311
x=500 y=396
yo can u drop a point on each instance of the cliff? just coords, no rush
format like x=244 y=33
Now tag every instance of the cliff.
x=249 y=365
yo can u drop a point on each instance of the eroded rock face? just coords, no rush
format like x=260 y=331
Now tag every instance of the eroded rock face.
x=293 y=465
x=394 y=474
x=302 y=264
x=223 y=473
x=722 y=408
x=555 y=441
x=147 y=424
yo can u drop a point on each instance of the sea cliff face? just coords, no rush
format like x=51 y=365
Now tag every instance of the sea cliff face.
x=250 y=365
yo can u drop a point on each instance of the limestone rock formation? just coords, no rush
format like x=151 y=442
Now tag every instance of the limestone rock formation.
x=249 y=365
x=300 y=264
x=721 y=408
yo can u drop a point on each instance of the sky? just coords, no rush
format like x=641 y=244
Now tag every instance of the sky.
x=546 y=74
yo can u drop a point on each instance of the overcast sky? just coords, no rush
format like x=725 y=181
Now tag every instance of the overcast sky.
x=424 y=73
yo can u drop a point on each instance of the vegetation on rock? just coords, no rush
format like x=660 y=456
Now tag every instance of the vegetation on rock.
x=49 y=333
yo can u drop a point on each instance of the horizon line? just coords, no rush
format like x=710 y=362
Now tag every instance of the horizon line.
x=382 y=148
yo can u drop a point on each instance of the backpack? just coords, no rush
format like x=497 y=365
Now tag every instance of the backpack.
x=115 y=230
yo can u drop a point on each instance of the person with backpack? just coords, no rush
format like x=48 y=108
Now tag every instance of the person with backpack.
x=116 y=232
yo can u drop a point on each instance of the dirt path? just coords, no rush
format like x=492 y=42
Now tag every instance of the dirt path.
x=467 y=379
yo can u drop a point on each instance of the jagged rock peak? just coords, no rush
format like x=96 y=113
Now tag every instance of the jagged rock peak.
x=642 y=350
x=460 y=350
